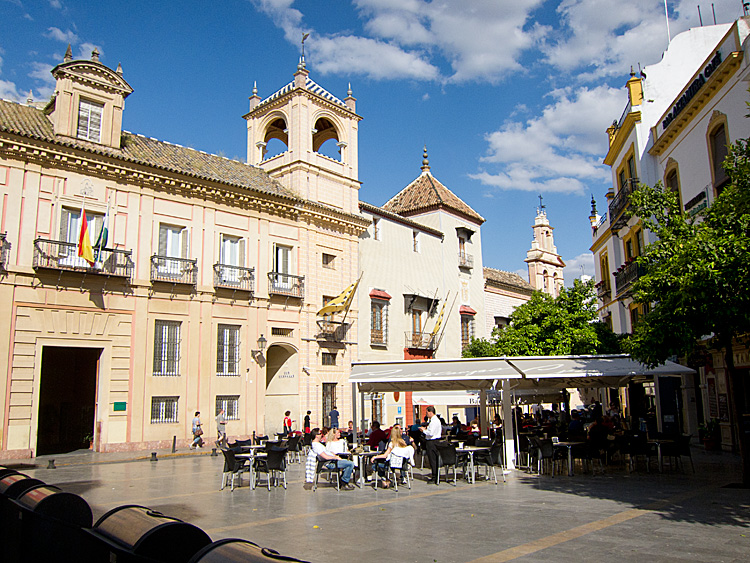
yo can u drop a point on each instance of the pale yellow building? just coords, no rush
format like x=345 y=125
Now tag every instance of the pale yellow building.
x=205 y=294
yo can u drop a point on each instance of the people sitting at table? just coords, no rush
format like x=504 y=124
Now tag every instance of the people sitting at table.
x=318 y=451
x=397 y=447
x=376 y=435
x=474 y=426
x=575 y=428
x=455 y=426
x=334 y=444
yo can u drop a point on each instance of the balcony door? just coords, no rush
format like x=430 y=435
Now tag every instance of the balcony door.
x=232 y=258
x=70 y=232
x=173 y=243
x=282 y=260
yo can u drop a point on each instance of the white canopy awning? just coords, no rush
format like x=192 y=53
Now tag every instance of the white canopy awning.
x=524 y=372
x=449 y=398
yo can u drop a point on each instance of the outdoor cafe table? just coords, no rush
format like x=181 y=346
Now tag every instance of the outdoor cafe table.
x=360 y=461
x=568 y=445
x=251 y=457
x=471 y=450
x=659 y=442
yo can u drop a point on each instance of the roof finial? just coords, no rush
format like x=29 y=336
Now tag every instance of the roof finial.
x=302 y=63
x=95 y=55
x=255 y=87
x=30 y=97
x=593 y=206
x=119 y=69
x=425 y=160
x=349 y=91
x=542 y=207
x=68 y=54
x=632 y=72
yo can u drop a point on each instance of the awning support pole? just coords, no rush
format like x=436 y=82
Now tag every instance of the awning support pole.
x=354 y=411
x=510 y=445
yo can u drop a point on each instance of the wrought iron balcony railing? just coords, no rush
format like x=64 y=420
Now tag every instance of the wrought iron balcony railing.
x=333 y=330
x=465 y=260
x=174 y=270
x=422 y=340
x=625 y=276
x=620 y=202
x=60 y=255
x=286 y=285
x=4 y=251
x=604 y=291
x=378 y=336
x=234 y=277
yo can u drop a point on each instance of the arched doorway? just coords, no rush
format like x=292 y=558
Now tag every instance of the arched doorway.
x=282 y=387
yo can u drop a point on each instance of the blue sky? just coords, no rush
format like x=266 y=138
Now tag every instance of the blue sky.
x=511 y=97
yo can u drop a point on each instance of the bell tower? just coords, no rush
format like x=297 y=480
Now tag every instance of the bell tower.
x=545 y=264
x=313 y=135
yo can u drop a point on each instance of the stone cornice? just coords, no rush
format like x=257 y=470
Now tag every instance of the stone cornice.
x=620 y=136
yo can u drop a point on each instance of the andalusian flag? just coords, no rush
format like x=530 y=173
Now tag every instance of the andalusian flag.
x=101 y=241
x=439 y=320
x=84 y=241
x=341 y=302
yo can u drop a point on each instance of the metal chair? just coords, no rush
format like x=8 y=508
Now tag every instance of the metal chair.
x=333 y=469
x=294 y=445
x=232 y=466
x=447 y=457
x=490 y=460
x=273 y=464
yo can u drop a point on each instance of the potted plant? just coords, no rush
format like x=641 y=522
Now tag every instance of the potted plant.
x=89 y=438
x=709 y=434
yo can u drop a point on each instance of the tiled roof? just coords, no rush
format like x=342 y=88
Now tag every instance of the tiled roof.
x=364 y=206
x=499 y=277
x=426 y=193
x=311 y=86
x=31 y=122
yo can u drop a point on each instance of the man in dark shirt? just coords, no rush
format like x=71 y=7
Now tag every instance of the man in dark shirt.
x=376 y=435
x=334 y=415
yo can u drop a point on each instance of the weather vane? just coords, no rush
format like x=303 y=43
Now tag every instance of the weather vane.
x=304 y=37
x=541 y=205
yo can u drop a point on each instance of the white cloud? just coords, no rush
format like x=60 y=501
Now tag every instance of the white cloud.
x=59 y=35
x=56 y=4
x=9 y=91
x=574 y=267
x=560 y=149
x=85 y=50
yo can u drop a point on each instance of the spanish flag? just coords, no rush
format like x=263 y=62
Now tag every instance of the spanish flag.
x=84 y=241
x=341 y=302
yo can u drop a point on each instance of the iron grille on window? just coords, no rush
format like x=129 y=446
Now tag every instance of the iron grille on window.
x=328 y=358
x=228 y=350
x=230 y=404
x=163 y=409
x=467 y=331
x=4 y=251
x=167 y=348
x=378 y=322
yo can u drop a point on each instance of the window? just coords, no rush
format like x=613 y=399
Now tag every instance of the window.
x=631 y=168
x=672 y=182
x=329 y=400
x=232 y=255
x=167 y=348
x=467 y=330
x=415 y=241
x=90 y=121
x=230 y=404
x=634 y=244
x=718 y=140
x=377 y=407
x=228 y=350
x=163 y=409
x=328 y=358
x=173 y=243
x=70 y=232
x=604 y=271
x=282 y=264
x=501 y=322
x=328 y=260
x=279 y=331
x=378 y=321
x=376 y=229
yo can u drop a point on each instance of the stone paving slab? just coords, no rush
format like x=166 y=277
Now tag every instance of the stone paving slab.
x=618 y=516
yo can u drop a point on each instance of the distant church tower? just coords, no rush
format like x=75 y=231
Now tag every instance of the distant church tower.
x=303 y=115
x=545 y=264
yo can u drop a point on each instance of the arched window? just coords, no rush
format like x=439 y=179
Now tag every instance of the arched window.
x=276 y=139
x=718 y=141
x=326 y=139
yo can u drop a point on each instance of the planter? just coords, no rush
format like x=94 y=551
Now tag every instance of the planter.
x=711 y=444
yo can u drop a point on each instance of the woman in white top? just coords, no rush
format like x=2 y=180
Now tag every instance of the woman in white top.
x=334 y=444
x=396 y=448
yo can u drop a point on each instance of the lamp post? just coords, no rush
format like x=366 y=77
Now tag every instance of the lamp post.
x=261 y=346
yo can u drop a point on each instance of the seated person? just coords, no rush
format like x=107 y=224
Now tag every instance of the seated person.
x=474 y=426
x=376 y=435
x=396 y=448
x=455 y=426
x=318 y=451
x=575 y=428
x=334 y=444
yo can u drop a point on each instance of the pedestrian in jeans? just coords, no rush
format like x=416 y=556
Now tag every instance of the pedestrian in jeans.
x=221 y=428
x=197 y=432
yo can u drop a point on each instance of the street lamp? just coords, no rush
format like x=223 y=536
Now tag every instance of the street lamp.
x=261 y=346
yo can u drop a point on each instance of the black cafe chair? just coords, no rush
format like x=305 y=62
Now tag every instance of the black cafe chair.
x=233 y=467
x=272 y=464
x=447 y=457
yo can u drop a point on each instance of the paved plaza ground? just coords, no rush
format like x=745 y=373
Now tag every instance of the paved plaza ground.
x=617 y=516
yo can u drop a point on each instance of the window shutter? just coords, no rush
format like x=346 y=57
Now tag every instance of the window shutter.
x=162 y=251
x=64 y=219
x=220 y=347
x=83 y=120
x=285 y=260
x=185 y=243
x=241 y=261
x=158 y=346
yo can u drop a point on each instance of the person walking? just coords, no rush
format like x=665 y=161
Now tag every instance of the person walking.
x=307 y=423
x=221 y=428
x=287 y=423
x=197 y=432
x=334 y=415
x=432 y=434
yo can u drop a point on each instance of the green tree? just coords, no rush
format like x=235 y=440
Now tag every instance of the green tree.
x=547 y=326
x=696 y=278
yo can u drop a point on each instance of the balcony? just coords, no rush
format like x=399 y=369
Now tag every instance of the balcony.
x=626 y=275
x=378 y=337
x=465 y=260
x=63 y=256
x=234 y=277
x=286 y=285
x=174 y=270
x=4 y=251
x=332 y=330
x=420 y=340
x=604 y=291
x=620 y=202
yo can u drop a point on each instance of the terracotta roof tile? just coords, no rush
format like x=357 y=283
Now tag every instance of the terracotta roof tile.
x=31 y=122
x=499 y=277
x=427 y=193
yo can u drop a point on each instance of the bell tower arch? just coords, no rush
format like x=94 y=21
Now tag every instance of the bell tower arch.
x=306 y=138
x=545 y=264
